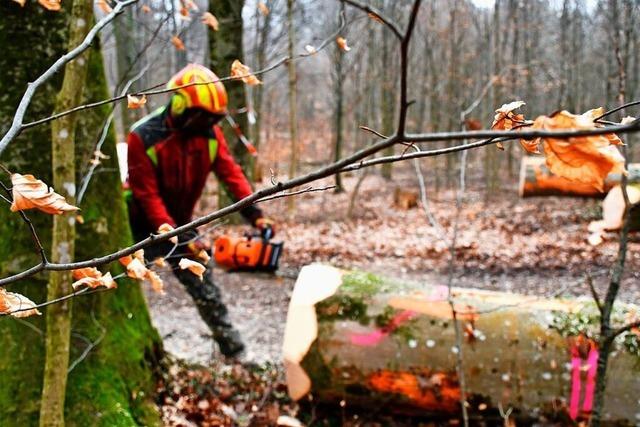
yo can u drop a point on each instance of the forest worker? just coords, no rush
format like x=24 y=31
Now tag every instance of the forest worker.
x=170 y=154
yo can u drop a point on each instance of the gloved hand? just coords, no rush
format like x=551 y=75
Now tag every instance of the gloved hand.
x=266 y=227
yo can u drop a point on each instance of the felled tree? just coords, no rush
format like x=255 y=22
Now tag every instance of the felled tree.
x=113 y=384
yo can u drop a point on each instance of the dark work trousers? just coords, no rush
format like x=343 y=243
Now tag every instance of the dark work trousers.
x=204 y=292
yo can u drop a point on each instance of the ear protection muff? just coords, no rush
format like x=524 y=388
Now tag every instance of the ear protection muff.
x=178 y=104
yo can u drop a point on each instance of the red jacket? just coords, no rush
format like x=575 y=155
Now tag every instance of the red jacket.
x=168 y=171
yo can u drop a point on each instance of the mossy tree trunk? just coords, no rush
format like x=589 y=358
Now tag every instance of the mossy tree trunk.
x=113 y=385
x=225 y=47
x=58 y=331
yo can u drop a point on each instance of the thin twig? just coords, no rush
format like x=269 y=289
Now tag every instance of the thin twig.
x=154 y=91
x=16 y=125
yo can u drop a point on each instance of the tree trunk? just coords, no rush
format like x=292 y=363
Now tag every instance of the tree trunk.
x=293 y=108
x=114 y=384
x=387 y=98
x=338 y=85
x=379 y=343
x=225 y=47
x=58 y=317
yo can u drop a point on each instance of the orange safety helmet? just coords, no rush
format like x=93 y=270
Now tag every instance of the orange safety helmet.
x=211 y=96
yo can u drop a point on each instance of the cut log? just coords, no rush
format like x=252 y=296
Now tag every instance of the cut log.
x=537 y=180
x=387 y=345
x=405 y=199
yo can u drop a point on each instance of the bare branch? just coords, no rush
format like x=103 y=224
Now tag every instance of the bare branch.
x=376 y=14
x=16 y=125
x=155 y=91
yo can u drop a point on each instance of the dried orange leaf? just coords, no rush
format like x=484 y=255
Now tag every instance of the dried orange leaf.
x=177 y=43
x=500 y=146
x=184 y=12
x=204 y=256
x=10 y=302
x=242 y=72
x=104 y=6
x=156 y=282
x=53 y=5
x=193 y=266
x=209 y=19
x=146 y=8
x=139 y=255
x=29 y=193
x=79 y=219
x=136 y=269
x=586 y=159
x=342 y=43
x=125 y=260
x=375 y=17
x=160 y=262
x=81 y=273
x=135 y=102
x=310 y=49
x=505 y=118
x=264 y=10
x=20 y=2
x=95 y=282
x=165 y=228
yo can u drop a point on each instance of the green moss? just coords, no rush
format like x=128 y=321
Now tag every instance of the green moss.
x=114 y=385
x=586 y=322
x=343 y=307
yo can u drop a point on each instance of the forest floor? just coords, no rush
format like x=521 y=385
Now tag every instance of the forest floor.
x=533 y=246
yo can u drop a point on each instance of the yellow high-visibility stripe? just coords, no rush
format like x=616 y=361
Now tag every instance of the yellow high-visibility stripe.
x=213 y=150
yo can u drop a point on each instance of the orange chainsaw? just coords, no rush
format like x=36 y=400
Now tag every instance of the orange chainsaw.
x=248 y=253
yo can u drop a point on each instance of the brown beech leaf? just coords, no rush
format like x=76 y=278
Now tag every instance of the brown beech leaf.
x=204 y=256
x=311 y=50
x=29 y=193
x=505 y=118
x=20 y=2
x=193 y=266
x=135 y=102
x=165 y=228
x=156 y=282
x=81 y=273
x=10 y=302
x=146 y=8
x=137 y=269
x=209 y=19
x=342 y=44
x=95 y=282
x=264 y=10
x=104 y=6
x=80 y=219
x=375 y=17
x=184 y=12
x=177 y=43
x=586 y=159
x=242 y=72
x=53 y=5
x=160 y=262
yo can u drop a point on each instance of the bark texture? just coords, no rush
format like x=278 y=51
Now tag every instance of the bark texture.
x=225 y=47
x=114 y=384
x=58 y=317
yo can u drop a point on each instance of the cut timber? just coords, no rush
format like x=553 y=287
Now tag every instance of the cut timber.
x=537 y=180
x=391 y=346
